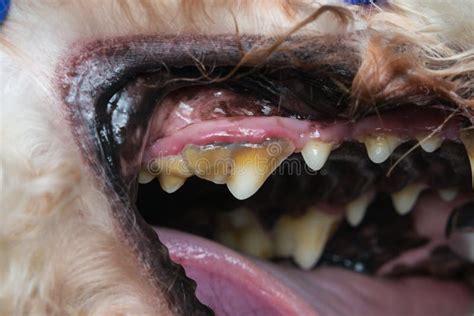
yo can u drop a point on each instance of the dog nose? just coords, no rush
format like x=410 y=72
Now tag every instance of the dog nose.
x=460 y=231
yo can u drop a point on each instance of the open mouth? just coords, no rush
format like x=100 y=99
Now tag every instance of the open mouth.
x=278 y=189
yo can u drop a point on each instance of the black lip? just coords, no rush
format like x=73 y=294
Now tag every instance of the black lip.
x=111 y=136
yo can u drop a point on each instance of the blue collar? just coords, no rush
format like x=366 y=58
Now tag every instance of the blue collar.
x=4 y=6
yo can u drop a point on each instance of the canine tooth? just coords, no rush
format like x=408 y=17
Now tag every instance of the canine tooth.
x=405 y=199
x=252 y=165
x=313 y=231
x=467 y=137
x=284 y=236
x=356 y=209
x=171 y=183
x=145 y=177
x=315 y=153
x=211 y=163
x=380 y=147
x=430 y=144
x=448 y=195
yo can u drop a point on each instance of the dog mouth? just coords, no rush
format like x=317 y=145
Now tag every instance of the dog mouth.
x=268 y=183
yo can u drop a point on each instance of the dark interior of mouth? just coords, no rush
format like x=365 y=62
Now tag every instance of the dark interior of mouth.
x=393 y=241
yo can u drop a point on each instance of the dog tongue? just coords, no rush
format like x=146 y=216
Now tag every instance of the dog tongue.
x=232 y=284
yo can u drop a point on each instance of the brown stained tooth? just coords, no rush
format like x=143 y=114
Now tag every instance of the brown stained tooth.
x=211 y=163
x=253 y=164
x=467 y=137
x=405 y=199
x=313 y=231
x=145 y=177
x=284 y=236
x=380 y=147
x=172 y=172
x=355 y=210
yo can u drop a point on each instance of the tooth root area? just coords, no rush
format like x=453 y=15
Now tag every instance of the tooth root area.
x=380 y=147
x=430 y=143
x=467 y=137
x=448 y=195
x=252 y=165
x=405 y=199
x=315 y=153
x=145 y=177
x=355 y=210
x=212 y=163
x=313 y=230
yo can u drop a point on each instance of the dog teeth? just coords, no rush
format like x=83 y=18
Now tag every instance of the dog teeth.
x=313 y=230
x=252 y=165
x=211 y=163
x=467 y=137
x=448 y=195
x=170 y=183
x=145 y=177
x=430 y=144
x=172 y=172
x=284 y=236
x=381 y=146
x=355 y=210
x=315 y=154
x=240 y=230
x=405 y=199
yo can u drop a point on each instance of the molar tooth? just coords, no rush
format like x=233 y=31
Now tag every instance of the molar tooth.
x=431 y=143
x=356 y=209
x=313 y=231
x=252 y=165
x=211 y=162
x=467 y=137
x=448 y=195
x=145 y=177
x=405 y=199
x=381 y=146
x=315 y=153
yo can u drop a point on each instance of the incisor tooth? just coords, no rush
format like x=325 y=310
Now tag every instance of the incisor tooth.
x=431 y=143
x=211 y=162
x=315 y=153
x=405 y=199
x=467 y=137
x=253 y=164
x=380 y=147
x=313 y=231
x=145 y=177
x=356 y=209
x=448 y=195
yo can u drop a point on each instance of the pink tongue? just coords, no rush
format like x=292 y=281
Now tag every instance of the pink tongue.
x=235 y=285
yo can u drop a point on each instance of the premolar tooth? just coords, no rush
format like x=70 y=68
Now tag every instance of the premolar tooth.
x=405 y=199
x=315 y=154
x=313 y=231
x=254 y=241
x=252 y=165
x=467 y=137
x=284 y=236
x=380 y=147
x=356 y=209
x=145 y=177
x=211 y=162
x=448 y=195
x=170 y=183
x=431 y=143
x=172 y=172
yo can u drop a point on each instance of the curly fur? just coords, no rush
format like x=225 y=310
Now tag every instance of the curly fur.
x=59 y=253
